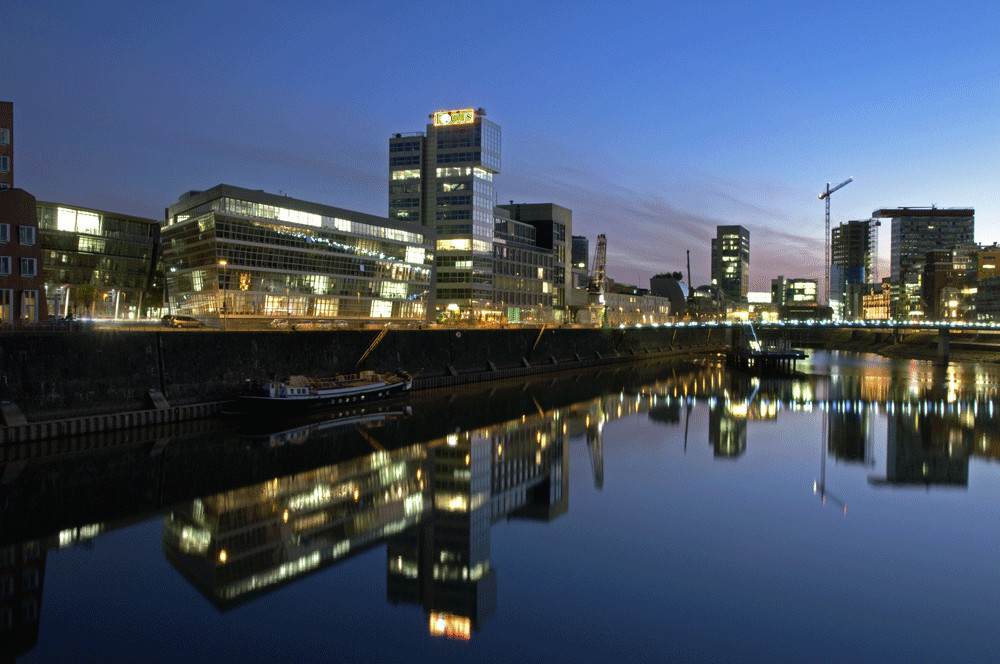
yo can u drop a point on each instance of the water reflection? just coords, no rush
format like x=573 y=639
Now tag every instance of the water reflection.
x=248 y=512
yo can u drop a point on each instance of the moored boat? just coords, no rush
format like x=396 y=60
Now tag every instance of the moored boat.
x=297 y=394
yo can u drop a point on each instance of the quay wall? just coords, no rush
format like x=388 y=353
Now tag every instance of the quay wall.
x=60 y=374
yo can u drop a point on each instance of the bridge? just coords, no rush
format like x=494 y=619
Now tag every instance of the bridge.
x=937 y=338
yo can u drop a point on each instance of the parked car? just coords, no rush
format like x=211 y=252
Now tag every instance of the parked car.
x=312 y=325
x=185 y=321
x=280 y=323
x=167 y=320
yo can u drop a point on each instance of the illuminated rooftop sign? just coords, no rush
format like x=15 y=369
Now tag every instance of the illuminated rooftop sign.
x=445 y=118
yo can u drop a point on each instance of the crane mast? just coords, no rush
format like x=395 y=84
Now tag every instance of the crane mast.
x=826 y=236
x=598 y=276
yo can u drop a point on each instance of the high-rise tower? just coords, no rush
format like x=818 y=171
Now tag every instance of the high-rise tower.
x=444 y=179
x=731 y=261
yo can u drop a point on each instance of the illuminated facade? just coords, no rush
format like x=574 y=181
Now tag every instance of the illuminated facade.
x=113 y=253
x=914 y=233
x=443 y=180
x=731 y=261
x=255 y=255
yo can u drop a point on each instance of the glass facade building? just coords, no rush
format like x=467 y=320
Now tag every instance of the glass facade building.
x=112 y=254
x=443 y=179
x=252 y=255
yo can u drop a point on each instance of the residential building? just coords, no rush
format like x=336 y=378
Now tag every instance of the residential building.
x=22 y=287
x=6 y=144
x=443 y=180
x=852 y=270
x=915 y=232
x=731 y=261
x=22 y=581
x=97 y=262
x=254 y=255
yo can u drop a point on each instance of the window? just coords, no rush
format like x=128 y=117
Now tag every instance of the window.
x=26 y=234
x=4 y=232
x=7 y=315
x=4 y=164
x=29 y=267
x=29 y=314
x=4 y=266
x=4 y=136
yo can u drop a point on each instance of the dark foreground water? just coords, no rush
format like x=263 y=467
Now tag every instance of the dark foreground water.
x=656 y=513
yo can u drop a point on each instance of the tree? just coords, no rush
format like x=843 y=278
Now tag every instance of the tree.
x=85 y=294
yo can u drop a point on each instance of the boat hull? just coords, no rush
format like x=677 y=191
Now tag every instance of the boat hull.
x=265 y=405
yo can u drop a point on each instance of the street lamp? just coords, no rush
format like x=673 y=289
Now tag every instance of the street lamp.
x=223 y=263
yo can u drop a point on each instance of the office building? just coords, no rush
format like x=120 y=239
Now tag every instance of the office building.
x=853 y=253
x=553 y=231
x=443 y=180
x=731 y=262
x=22 y=288
x=254 y=255
x=522 y=273
x=914 y=233
x=6 y=144
x=99 y=263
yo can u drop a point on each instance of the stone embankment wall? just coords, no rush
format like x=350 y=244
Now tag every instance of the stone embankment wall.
x=52 y=375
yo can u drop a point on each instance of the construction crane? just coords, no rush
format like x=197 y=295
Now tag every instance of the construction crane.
x=826 y=236
x=598 y=271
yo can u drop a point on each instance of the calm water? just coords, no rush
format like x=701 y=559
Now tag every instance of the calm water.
x=662 y=513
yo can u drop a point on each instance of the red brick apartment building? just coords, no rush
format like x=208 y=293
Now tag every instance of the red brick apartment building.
x=22 y=287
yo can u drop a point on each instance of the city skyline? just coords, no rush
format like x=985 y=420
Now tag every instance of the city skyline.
x=652 y=126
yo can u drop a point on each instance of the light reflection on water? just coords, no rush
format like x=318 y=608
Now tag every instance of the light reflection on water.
x=677 y=512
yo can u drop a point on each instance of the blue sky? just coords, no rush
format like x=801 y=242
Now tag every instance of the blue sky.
x=652 y=121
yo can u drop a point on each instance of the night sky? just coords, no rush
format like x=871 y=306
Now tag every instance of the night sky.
x=652 y=121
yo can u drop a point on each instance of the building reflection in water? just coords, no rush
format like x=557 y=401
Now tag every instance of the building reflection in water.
x=432 y=504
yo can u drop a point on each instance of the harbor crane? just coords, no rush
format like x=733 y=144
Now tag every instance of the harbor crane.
x=826 y=236
x=598 y=276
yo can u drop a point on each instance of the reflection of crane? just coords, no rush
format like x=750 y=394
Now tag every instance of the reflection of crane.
x=826 y=236
x=819 y=488
x=595 y=441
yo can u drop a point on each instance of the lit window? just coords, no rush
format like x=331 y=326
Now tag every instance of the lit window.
x=4 y=136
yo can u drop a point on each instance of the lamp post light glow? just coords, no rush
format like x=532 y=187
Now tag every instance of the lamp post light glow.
x=223 y=263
